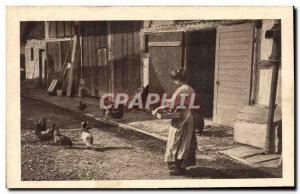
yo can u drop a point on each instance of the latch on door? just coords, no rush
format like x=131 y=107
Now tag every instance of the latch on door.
x=218 y=83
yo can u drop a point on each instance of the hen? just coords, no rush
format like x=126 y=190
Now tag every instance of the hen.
x=46 y=135
x=116 y=113
x=61 y=140
x=82 y=105
x=40 y=125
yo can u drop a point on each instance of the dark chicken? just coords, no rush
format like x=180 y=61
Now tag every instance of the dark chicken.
x=45 y=135
x=82 y=106
x=60 y=139
x=41 y=125
x=116 y=113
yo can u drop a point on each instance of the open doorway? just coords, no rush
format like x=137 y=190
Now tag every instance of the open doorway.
x=200 y=63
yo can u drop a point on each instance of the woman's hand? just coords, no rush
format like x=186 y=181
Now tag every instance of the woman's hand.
x=154 y=112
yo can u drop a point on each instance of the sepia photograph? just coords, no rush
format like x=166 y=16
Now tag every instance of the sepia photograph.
x=126 y=99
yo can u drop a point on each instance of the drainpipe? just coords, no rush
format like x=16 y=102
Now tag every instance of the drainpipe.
x=274 y=60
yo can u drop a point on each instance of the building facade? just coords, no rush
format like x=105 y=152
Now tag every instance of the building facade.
x=225 y=61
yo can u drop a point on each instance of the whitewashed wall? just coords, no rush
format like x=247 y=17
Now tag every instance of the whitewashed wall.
x=32 y=66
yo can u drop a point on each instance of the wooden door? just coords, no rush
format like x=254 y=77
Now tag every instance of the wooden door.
x=166 y=54
x=233 y=67
x=103 y=70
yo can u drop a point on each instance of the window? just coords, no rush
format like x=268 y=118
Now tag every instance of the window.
x=31 y=54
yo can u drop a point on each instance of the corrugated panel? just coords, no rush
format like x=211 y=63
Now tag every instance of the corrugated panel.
x=234 y=50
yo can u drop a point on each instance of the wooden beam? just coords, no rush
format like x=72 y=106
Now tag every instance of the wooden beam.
x=46 y=30
x=167 y=44
x=58 y=39
x=110 y=57
x=70 y=80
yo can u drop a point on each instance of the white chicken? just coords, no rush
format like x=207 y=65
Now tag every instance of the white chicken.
x=86 y=135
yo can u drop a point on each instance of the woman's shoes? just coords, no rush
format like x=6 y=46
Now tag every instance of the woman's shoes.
x=178 y=172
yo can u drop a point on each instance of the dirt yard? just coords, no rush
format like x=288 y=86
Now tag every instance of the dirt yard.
x=118 y=153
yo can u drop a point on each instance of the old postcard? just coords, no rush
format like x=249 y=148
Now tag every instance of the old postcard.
x=150 y=97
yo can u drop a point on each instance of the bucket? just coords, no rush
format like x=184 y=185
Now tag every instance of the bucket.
x=59 y=92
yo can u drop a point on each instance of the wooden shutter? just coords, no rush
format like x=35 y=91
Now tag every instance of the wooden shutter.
x=233 y=67
x=165 y=51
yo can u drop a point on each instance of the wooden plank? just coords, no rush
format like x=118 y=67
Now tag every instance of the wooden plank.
x=253 y=134
x=252 y=153
x=233 y=47
x=52 y=86
x=97 y=60
x=233 y=103
x=93 y=60
x=236 y=27
x=240 y=78
x=68 y=28
x=235 y=72
x=60 y=29
x=129 y=56
x=226 y=59
x=136 y=53
x=233 y=65
x=225 y=111
x=108 y=73
x=242 y=33
x=60 y=57
x=258 y=118
x=163 y=44
x=235 y=53
x=124 y=64
x=58 y=39
x=90 y=53
x=86 y=59
x=255 y=109
x=47 y=30
x=226 y=78
x=235 y=40
x=116 y=36
x=234 y=98
x=233 y=84
x=263 y=158
x=244 y=151
x=52 y=30
x=224 y=116
x=227 y=90
x=71 y=77
x=231 y=106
